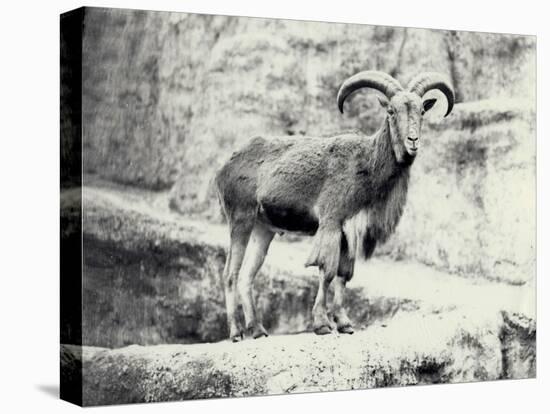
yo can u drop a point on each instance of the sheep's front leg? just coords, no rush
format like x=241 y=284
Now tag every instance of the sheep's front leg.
x=325 y=255
x=343 y=323
x=345 y=273
x=321 y=322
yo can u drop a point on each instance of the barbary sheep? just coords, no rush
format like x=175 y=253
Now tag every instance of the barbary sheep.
x=348 y=191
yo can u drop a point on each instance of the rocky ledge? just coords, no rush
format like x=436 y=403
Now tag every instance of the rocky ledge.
x=413 y=348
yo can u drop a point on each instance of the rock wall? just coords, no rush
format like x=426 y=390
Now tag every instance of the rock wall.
x=472 y=200
x=168 y=95
x=139 y=77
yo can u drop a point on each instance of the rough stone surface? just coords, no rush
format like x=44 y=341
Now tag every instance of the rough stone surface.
x=413 y=349
x=167 y=95
x=471 y=205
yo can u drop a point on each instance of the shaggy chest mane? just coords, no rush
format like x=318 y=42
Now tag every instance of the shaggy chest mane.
x=377 y=221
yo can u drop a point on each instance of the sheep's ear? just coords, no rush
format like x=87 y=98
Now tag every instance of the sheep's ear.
x=383 y=101
x=428 y=104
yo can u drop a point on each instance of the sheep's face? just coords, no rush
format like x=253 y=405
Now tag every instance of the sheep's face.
x=405 y=111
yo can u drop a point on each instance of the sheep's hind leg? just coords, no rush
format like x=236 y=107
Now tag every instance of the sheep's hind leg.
x=255 y=254
x=240 y=234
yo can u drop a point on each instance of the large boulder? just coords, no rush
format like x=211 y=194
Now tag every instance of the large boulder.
x=412 y=349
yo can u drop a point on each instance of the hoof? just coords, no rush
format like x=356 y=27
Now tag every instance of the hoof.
x=322 y=330
x=256 y=331
x=237 y=338
x=347 y=329
x=260 y=334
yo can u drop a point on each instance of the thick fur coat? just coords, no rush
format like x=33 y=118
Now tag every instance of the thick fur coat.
x=348 y=190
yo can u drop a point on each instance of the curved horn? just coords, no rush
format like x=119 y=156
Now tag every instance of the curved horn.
x=380 y=81
x=433 y=80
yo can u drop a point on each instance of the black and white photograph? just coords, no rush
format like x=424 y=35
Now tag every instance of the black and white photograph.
x=271 y=206
x=327 y=211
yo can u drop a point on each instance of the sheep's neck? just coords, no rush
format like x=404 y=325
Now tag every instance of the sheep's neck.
x=385 y=160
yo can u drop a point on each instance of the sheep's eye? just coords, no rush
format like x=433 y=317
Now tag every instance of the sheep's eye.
x=422 y=112
x=391 y=111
